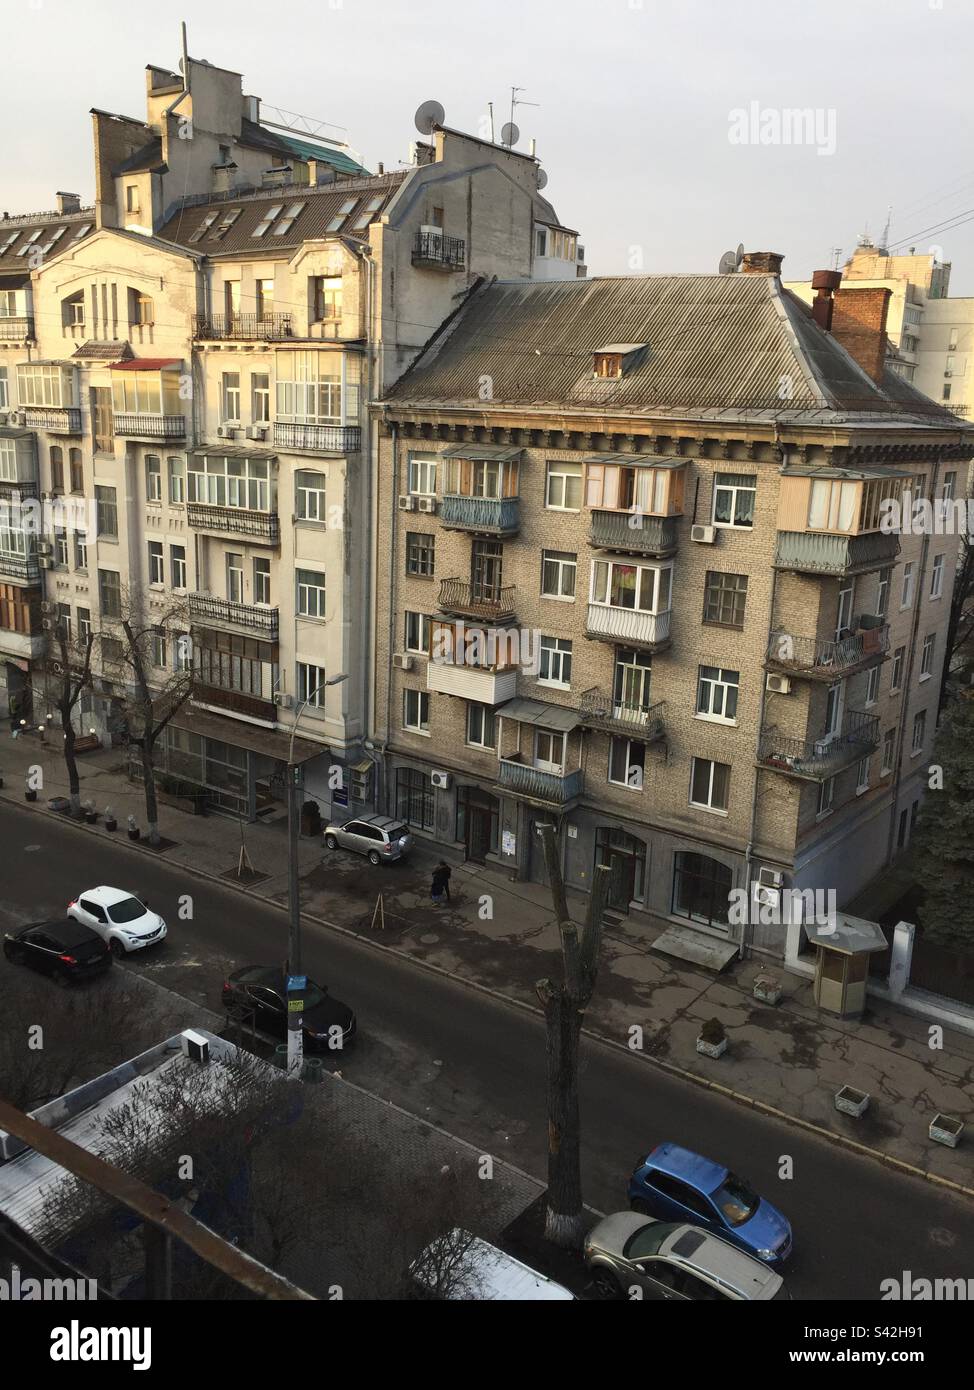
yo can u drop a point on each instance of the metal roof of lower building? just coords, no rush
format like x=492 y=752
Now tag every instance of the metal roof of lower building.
x=481 y=451
x=558 y=717
x=271 y=743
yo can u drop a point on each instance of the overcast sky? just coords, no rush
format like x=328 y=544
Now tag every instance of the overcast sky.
x=634 y=119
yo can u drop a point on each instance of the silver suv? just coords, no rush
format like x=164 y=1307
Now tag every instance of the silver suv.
x=378 y=837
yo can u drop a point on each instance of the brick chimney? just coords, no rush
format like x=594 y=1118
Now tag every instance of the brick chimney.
x=762 y=263
x=825 y=283
x=859 y=324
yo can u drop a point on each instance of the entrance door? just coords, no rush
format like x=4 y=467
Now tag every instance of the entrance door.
x=101 y=414
x=626 y=858
x=485 y=571
x=477 y=822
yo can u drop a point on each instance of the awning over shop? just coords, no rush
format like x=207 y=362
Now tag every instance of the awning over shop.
x=555 y=717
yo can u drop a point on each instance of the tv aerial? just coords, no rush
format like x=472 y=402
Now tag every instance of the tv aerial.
x=428 y=115
x=731 y=261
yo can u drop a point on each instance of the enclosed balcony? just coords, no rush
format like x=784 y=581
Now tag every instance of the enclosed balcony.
x=233 y=491
x=473 y=663
x=630 y=604
x=242 y=616
x=318 y=439
x=839 y=522
x=539 y=752
x=812 y=552
x=20 y=621
x=628 y=627
x=262 y=328
x=636 y=503
x=48 y=396
x=145 y=399
x=813 y=659
x=480 y=490
x=600 y=711
x=815 y=760
x=489 y=602
x=434 y=251
x=20 y=564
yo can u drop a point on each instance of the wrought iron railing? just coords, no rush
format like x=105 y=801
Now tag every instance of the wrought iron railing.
x=239 y=521
x=599 y=709
x=150 y=426
x=325 y=439
x=822 y=757
x=435 y=249
x=478 y=600
x=261 y=327
x=57 y=419
x=16 y=327
x=222 y=610
x=809 y=654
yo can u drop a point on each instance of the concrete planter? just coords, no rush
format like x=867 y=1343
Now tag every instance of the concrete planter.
x=852 y=1102
x=710 y=1049
x=111 y=823
x=767 y=988
x=944 y=1129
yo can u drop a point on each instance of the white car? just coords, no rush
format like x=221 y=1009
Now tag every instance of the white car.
x=119 y=918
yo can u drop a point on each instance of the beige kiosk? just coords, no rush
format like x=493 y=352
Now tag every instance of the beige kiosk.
x=842 y=956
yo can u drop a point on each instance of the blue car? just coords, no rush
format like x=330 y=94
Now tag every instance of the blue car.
x=674 y=1184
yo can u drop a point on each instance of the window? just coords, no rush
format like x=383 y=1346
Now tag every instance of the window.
x=896 y=672
x=231 y=300
x=950 y=486
x=701 y=889
x=61 y=547
x=709 y=784
x=77 y=470
x=132 y=197
x=559 y=569
x=57 y=468
x=183 y=652
x=834 y=701
x=157 y=570
x=627 y=763
x=882 y=593
x=81 y=550
x=826 y=797
x=262 y=580
x=309 y=493
x=889 y=751
x=309 y=389
x=481 y=726
x=417 y=634
x=555 y=666
x=414 y=797
x=420 y=554
x=216 y=481
x=725 y=596
x=142 y=310
x=84 y=625
x=224 y=225
x=177 y=481
x=106 y=512
x=270 y=214
x=64 y=619
x=146 y=393
x=153 y=478
x=872 y=685
x=326 y=298
x=110 y=593
x=177 y=566
x=862 y=776
x=8 y=461
x=160 y=651
x=926 y=656
x=235 y=577
x=422 y=474
x=919 y=732
x=347 y=207
x=549 y=750
x=310 y=686
x=563 y=487
x=366 y=214
x=832 y=505
x=45 y=384
x=642 y=587
x=416 y=711
x=204 y=226
x=4 y=389
x=311 y=594
x=260 y=397
x=843 y=616
x=231 y=396
x=734 y=496
x=937 y=577
x=264 y=297
x=717 y=690
x=289 y=218
x=540 y=241
x=906 y=595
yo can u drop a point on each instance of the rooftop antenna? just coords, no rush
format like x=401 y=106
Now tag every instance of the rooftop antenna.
x=884 y=244
x=185 y=57
x=490 y=121
x=835 y=253
x=511 y=129
x=730 y=261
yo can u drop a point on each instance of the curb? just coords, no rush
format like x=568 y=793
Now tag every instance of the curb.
x=809 y=1126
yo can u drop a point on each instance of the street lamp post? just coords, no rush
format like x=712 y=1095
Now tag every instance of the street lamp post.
x=295 y=980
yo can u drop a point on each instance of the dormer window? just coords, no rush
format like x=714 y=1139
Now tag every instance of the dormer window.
x=617 y=359
x=204 y=226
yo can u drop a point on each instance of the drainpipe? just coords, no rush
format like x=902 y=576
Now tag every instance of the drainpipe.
x=370 y=463
x=392 y=594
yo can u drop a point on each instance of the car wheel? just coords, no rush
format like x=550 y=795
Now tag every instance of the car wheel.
x=606 y=1284
x=117 y=949
x=331 y=842
x=375 y=857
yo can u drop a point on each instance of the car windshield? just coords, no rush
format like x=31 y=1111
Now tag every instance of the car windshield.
x=128 y=910
x=647 y=1240
x=735 y=1201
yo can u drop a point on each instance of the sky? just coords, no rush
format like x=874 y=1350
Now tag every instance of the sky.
x=662 y=124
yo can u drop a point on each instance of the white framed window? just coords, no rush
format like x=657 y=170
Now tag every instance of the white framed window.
x=872 y=685
x=81 y=550
x=826 y=797
x=61 y=547
x=310 y=683
x=235 y=577
x=834 y=704
x=555 y=662
x=481 y=726
x=153 y=478
x=84 y=625
x=950 y=486
x=717 y=691
x=231 y=397
x=882 y=593
x=417 y=632
x=843 y=615
x=216 y=481
x=710 y=785
x=627 y=763
x=309 y=495
x=563 y=487
x=549 y=750
x=926 y=656
x=160 y=651
x=177 y=481
x=919 y=733
x=416 y=711
x=157 y=567
x=270 y=214
x=177 y=566
x=260 y=398
x=896 y=673
x=183 y=652
x=862 y=776
x=262 y=580
x=734 y=498
x=309 y=388
x=889 y=752
x=311 y=593
x=937 y=577
x=645 y=588
x=4 y=388
x=422 y=474
x=906 y=592
x=559 y=572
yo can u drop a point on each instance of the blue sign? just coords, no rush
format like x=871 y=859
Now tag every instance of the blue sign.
x=339 y=796
x=297 y=983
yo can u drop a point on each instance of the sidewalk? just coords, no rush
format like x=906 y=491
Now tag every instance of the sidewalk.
x=501 y=936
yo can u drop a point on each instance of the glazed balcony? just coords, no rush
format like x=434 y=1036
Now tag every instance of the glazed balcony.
x=816 y=552
x=817 y=759
x=235 y=702
x=600 y=711
x=260 y=328
x=812 y=659
x=23 y=569
x=150 y=426
x=485 y=685
x=487 y=516
x=628 y=627
x=476 y=601
x=434 y=251
x=235 y=521
x=16 y=329
x=318 y=439
x=64 y=419
x=630 y=531
x=535 y=784
x=241 y=616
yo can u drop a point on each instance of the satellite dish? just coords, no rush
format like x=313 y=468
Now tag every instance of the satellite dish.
x=510 y=134
x=428 y=115
x=731 y=261
x=542 y=178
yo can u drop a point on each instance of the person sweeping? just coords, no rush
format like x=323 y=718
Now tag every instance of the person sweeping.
x=441 y=882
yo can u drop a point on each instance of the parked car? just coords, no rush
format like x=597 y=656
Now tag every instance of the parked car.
x=262 y=989
x=459 y=1266
x=119 y=918
x=674 y=1184
x=65 y=950
x=379 y=837
x=670 y=1260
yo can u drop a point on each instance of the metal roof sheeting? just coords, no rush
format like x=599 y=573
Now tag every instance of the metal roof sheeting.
x=545 y=716
x=480 y=451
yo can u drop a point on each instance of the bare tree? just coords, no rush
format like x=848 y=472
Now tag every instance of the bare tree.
x=71 y=671
x=564 y=1003
x=960 y=624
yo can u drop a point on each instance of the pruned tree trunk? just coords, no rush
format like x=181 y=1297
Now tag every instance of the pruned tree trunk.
x=71 y=762
x=149 y=784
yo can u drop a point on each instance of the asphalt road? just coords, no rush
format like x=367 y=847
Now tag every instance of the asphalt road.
x=476 y=1066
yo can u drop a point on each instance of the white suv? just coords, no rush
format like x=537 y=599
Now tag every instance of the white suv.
x=118 y=918
x=378 y=837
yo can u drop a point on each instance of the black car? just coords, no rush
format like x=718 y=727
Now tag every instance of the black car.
x=66 y=950
x=260 y=992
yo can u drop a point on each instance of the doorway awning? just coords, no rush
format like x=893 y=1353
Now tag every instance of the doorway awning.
x=557 y=717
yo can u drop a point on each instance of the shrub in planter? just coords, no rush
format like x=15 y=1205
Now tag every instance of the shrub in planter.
x=767 y=988
x=110 y=822
x=30 y=793
x=712 y=1040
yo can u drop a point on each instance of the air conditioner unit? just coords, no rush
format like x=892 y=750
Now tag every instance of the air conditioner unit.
x=226 y=432
x=402 y=661
x=45 y=548
x=283 y=699
x=46 y=562
x=256 y=431
x=767 y=897
x=407 y=503
x=441 y=780
x=703 y=535
x=47 y=606
x=771 y=878
x=426 y=504
x=778 y=685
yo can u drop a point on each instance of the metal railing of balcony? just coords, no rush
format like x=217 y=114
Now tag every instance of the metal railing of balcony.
x=650 y=535
x=598 y=708
x=16 y=327
x=56 y=419
x=810 y=654
x=823 y=757
x=326 y=439
x=20 y=490
x=814 y=552
x=24 y=567
x=260 y=327
x=433 y=248
x=460 y=596
x=150 y=426
x=496 y=515
x=234 y=702
x=223 y=610
x=265 y=526
x=554 y=787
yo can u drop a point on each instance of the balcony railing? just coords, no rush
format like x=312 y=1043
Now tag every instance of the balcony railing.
x=813 y=552
x=319 y=439
x=238 y=521
x=255 y=327
x=15 y=329
x=627 y=626
x=649 y=535
x=553 y=788
x=222 y=610
x=818 y=759
x=235 y=702
x=55 y=419
x=600 y=711
x=150 y=426
x=22 y=567
x=493 y=516
x=19 y=491
x=476 y=600
x=827 y=660
x=439 y=251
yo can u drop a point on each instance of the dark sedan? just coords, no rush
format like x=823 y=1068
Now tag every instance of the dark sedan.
x=65 y=950
x=260 y=992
